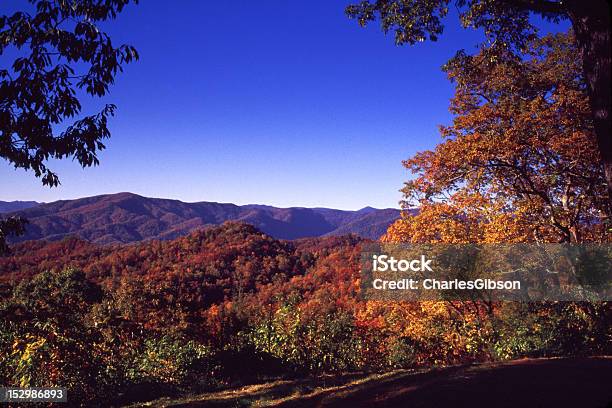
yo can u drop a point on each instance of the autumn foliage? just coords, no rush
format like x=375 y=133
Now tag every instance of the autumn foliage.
x=230 y=304
x=519 y=162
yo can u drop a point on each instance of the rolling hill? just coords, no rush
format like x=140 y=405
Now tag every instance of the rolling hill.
x=127 y=217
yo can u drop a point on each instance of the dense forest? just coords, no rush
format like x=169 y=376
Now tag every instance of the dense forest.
x=524 y=160
x=229 y=305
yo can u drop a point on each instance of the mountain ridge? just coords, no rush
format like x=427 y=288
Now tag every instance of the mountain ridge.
x=128 y=217
x=10 y=206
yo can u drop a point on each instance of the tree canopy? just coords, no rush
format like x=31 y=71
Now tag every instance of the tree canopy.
x=61 y=56
x=520 y=160
x=508 y=28
x=61 y=50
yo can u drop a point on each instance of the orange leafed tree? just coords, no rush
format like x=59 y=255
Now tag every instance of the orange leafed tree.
x=519 y=163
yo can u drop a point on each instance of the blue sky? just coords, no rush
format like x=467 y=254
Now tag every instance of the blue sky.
x=275 y=102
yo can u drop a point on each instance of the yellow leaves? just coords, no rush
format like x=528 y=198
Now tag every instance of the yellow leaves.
x=28 y=347
x=431 y=327
x=26 y=350
x=519 y=162
x=455 y=221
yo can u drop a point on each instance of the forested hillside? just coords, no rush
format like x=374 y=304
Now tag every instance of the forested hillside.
x=231 y=304
x=120 y=298
x=127 y=217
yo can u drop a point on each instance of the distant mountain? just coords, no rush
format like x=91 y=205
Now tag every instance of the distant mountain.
x=127 y=217
x=368 y=224
x=10 y=206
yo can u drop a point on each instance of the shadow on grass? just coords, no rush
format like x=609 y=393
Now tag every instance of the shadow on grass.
x=523 y=383
x=583 y=382
x=249 y=395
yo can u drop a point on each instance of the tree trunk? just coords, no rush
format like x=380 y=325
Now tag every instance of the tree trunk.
x=591 y=24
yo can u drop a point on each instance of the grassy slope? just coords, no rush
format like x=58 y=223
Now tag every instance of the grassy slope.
x=579 y=382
